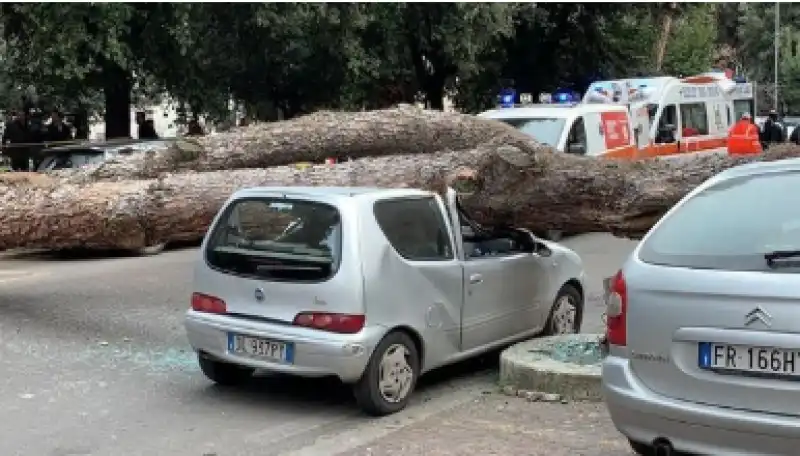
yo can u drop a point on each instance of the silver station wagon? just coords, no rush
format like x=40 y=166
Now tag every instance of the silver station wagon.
x=704 y=321
x=374 y=286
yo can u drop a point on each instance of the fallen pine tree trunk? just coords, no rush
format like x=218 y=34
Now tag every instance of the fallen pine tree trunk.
x=501 y=185
x=404 y=130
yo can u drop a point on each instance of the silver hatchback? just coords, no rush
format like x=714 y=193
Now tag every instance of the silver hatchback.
x=374 y=286
x=703 y=321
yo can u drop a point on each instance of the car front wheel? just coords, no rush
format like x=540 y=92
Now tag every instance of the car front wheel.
x=565 y=315
x=390 y=376
x=225 y=374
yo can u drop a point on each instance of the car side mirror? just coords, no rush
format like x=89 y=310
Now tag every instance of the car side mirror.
x=576 y=149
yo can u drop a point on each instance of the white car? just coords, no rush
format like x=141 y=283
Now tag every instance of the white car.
x=373 y=286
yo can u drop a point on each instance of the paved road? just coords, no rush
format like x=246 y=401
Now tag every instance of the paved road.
x=95 y=362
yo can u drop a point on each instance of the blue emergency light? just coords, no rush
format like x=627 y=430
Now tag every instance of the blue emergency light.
x=565 y=96
x=507 y=98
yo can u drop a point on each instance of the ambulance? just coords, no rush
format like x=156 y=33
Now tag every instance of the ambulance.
x=637 y=118
x=685 y=115
x=577 y=128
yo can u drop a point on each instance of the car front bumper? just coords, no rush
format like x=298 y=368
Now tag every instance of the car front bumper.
x=316 y=353
x=643 y=416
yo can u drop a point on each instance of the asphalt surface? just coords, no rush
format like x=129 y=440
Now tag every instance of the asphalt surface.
x=95 y=362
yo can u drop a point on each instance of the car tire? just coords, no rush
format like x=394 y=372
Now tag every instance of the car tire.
x=224 y=374
x=151 y=250
x=565 y=313
x=398 y=352
x=642 y=449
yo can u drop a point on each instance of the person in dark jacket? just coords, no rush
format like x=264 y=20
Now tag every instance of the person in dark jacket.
x=17 y=133
x=58 y=130
x=772 y=132
x=195 y=129
x=147 y=129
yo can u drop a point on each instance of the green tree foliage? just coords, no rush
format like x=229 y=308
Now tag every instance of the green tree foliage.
x=756 y=49
x=75 y=50
x=692 y=45
x=283 y=59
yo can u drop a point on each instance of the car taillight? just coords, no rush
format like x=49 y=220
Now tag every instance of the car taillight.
x=209 y=304
x=616 y=311
x=333 y=322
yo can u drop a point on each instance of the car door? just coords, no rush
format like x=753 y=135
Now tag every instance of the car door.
x=420 y=283
x=502 y=292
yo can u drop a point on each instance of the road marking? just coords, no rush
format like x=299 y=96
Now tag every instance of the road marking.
x=378 y=428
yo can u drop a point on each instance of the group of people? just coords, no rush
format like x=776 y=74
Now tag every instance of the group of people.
x=745 y=138
x=23 y=136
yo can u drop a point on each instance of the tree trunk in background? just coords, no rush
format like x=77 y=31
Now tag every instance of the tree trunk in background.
x=117 y=88
x=502 y=184
x=667 y=17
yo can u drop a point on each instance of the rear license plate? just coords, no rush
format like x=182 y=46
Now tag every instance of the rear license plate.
x=749 y=360
x=256 y=347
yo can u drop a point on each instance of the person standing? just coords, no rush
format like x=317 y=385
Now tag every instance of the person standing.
x=58 y=130
x=743 y=138
x=194 y=128
x=15 y=137
x=772 y=132
x=146 y=128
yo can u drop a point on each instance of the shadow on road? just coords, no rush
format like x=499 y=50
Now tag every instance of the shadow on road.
x=81 y=254
x=279 y=391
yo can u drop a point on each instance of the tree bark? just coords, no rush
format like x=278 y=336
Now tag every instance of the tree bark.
x=667 y=17
x=500 y=185
x=313 y=138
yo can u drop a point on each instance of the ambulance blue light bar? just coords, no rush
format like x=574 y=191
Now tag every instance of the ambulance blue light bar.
x=565 y=97
x=508 y=97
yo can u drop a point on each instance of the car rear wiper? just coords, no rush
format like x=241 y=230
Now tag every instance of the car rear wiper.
x=776 y=255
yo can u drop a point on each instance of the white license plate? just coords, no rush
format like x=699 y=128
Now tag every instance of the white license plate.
x=256 y=347
x=749 y=359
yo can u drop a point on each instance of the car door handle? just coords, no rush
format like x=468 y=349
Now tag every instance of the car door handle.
x=475 y=279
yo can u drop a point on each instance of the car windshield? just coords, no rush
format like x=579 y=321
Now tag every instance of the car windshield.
x=277 y=239
x=730 y=226
x=546 y=130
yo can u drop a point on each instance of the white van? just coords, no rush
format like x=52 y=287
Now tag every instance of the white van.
x=594 y=130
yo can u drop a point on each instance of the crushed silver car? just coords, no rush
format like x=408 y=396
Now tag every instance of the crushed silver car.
x=374 y=286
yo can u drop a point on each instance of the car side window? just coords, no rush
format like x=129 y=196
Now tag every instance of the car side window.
x=415 y=227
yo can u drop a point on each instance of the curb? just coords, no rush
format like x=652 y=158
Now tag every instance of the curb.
x=566 y=366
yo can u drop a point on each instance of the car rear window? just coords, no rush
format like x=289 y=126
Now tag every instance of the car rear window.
x=277 y=239
x=730 y=226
